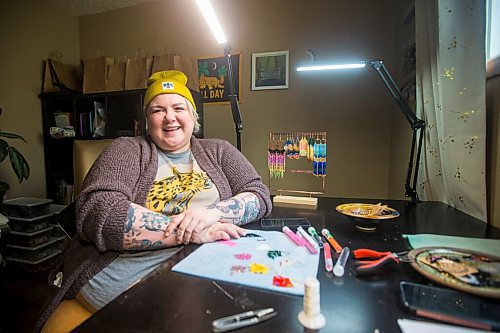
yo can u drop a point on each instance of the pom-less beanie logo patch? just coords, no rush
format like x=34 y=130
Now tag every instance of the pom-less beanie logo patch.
x=167 y=86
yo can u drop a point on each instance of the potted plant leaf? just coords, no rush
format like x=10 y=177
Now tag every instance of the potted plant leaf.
x=17 y=160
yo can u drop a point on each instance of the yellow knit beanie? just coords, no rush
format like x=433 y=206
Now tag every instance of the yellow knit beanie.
x=167 y=82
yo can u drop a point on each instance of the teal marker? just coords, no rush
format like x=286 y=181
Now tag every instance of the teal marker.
x=316 y=237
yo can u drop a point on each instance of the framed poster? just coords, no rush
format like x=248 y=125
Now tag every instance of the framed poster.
x=270 y=70
x=214 y=80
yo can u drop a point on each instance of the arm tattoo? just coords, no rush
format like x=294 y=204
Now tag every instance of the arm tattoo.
x=144 y=229
x=240 y=209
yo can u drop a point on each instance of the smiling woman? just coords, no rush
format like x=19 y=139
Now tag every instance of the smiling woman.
x=170 y=111
x=155 y=193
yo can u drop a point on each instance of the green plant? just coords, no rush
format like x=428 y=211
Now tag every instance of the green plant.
x=17 y=160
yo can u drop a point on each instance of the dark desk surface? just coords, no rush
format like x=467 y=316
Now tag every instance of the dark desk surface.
x=173 y=302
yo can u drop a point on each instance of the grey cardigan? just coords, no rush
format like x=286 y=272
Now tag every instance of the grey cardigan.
x=122 y=174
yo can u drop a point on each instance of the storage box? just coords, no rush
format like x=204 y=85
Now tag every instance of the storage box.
x=29 y=224
x=41 y=265
x=29 y=239
x=26 y=207
x=53 y=245
x=57 y=231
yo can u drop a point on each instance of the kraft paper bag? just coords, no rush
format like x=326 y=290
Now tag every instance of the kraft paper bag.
x=163 y=62
x=138 y=71
x=66 y=77
x=95 y=72
x=116 y=75
x=188 y=66
x=136 y=74
x=48 y=85
x=149 y=68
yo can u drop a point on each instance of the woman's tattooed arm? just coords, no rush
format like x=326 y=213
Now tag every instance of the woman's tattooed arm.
x=240 y=209
x=145 y=229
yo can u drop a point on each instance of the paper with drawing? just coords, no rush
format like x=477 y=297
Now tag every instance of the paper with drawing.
x=262 y=259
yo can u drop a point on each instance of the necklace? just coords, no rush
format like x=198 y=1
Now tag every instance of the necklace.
x=185 y=158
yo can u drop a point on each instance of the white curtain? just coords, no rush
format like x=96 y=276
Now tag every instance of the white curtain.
x=451 y=85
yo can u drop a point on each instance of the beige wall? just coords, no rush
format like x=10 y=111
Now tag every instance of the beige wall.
x=368 y=140
x=353 y=106
x=29 y=31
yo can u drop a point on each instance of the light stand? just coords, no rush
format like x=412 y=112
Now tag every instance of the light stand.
x=233 y=98
x=416 y=125
x=214 y=25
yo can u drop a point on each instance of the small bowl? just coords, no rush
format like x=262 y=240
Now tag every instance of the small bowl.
x=367 y=217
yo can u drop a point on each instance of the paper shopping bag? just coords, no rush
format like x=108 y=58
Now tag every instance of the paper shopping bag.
x=163 y=62
x=188 y=66
x=47 y=84
x=116 y=75
x=95 y=74
x=65 y=76
x=136 y=74
x=138 y=71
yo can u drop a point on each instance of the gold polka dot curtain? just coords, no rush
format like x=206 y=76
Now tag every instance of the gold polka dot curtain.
x=450 y=86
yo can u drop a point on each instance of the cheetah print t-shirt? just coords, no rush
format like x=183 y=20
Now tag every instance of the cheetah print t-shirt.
x=174 y=190
x=179 y=184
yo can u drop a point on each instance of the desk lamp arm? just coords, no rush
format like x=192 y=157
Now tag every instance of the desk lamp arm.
x=416 y=125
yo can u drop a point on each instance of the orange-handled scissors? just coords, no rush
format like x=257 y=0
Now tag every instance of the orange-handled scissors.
x=380 y=259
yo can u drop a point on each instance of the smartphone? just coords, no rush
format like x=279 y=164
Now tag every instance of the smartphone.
x=451 y=306
x=277 y=224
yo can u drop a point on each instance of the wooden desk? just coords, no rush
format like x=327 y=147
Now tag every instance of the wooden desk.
x=172 y=302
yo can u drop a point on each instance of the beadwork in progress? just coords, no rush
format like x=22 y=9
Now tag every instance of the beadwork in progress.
x=469 y=271
x=269 y=261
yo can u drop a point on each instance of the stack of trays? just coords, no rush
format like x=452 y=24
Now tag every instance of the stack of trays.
x=31 y=240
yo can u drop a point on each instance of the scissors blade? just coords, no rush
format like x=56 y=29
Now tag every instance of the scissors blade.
x=244 y=319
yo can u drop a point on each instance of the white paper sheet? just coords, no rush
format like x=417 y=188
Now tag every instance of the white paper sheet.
x=417 y=326
x=253 y=261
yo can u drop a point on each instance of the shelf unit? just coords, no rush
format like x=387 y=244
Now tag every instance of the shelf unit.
x=124 y=117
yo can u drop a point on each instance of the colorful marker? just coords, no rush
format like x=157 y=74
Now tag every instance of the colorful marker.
x=339 y=267
x=301 y=239
x=331 y=240
x=293 y=236
x=310 y=243
x=328 y=257
x=315 y=235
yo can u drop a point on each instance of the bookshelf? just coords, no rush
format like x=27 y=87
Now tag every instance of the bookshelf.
x=92 y=117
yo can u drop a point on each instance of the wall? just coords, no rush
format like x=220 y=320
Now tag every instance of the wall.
x=400 y=128
x=354 y=107
x=29 y=31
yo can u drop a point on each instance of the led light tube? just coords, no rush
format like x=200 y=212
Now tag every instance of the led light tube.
x=328 y=67
x=209 y=14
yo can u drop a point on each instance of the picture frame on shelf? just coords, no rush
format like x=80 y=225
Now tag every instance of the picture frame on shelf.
x=270 y=70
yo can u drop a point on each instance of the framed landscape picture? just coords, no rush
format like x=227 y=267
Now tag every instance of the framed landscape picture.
x=214 y=80
x=270 y=70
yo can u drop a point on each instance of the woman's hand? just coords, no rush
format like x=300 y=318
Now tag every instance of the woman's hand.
x=219 y=231
x=191 y=222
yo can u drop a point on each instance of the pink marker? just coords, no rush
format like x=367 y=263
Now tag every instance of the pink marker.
x=328 y=257
x=309 y=242
x=301 y=239
x=290 y=234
